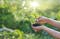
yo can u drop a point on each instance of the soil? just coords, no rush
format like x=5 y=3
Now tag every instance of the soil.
x=36 y=24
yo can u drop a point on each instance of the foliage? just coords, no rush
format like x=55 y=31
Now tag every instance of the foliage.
x=6 y=18
x=16 y=34
x=18 y=14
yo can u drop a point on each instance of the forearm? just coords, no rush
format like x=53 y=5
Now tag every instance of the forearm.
x=53 y=22
x=52 y=32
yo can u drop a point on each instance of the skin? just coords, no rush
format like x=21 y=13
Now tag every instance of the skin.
x=52 y=32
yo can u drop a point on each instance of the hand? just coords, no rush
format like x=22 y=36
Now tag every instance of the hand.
x=42 y=20
x=37 y=28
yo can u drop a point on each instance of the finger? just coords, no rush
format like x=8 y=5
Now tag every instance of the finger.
x=39 y=19
x=35 y=30
x=34 y=27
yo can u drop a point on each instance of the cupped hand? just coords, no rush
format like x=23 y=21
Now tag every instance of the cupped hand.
x=37 y=28
x=42 y=20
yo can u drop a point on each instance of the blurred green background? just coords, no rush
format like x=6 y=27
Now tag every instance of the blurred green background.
x=16 y=17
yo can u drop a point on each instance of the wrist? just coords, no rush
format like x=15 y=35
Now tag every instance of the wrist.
x=47 y=20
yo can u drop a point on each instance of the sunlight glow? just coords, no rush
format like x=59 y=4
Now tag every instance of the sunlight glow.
x=34 y=4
